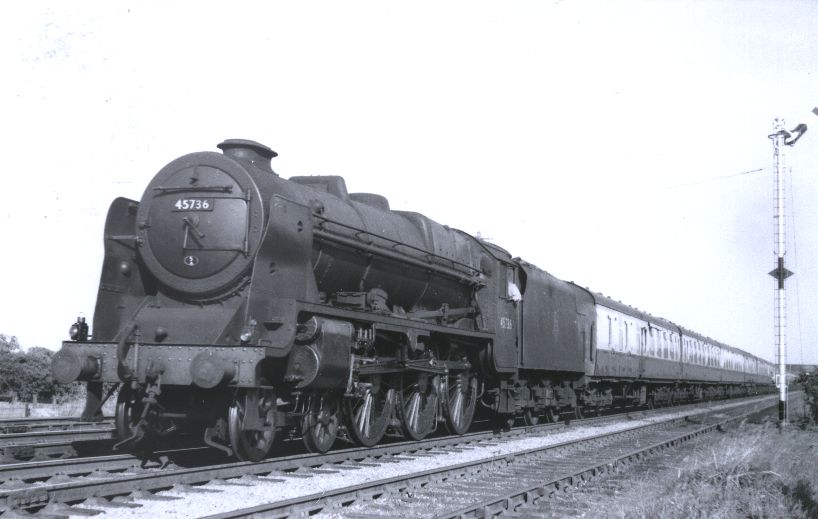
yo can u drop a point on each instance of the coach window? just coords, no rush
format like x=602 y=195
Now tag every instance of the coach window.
x=586 y=345
x=625 y=347
x=610 y=333
x=593 y=341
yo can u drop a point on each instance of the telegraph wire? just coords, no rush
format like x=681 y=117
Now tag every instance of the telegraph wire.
x=714 y=179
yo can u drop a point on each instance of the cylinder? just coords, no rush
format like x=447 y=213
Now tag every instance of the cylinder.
x=324 y=363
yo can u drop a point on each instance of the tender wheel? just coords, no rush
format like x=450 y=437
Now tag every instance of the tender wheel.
x=418 y=409
x=368 y=415
x=503 y=422
x=550 y=416
x=460 y=402
x=252 y=444
x=128 y=412
x=319 y=427
x=530 y=417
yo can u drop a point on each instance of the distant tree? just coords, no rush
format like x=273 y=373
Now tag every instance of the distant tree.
x=9 y=348
x=35 y=374
x=8 y=343
x=809 y=381
x=27 y=373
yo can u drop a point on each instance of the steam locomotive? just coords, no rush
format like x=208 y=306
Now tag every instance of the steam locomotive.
x=238 y=305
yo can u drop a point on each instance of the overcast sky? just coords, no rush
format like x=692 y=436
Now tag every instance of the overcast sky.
x=591 y=139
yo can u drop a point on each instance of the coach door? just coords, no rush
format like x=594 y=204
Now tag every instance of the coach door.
x=643 y=349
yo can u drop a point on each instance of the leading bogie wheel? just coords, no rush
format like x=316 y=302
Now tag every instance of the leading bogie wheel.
x=322 y=418
x=252 y=442
x=128 y=412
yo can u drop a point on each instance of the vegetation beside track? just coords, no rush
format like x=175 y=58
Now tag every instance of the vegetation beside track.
x=809 y=382
x=752 y=471
x=25 y=375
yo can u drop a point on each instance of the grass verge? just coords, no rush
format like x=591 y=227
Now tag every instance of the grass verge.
x=754 y=471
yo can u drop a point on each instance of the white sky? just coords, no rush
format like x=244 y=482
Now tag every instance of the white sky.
x=584 y=137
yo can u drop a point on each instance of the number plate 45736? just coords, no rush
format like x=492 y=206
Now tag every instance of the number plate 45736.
x=193 y=204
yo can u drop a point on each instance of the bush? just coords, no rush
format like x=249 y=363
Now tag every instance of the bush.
x=755 y=471
x=27 y=373
x=809 y=382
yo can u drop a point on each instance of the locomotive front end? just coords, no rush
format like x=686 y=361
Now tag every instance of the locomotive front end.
x=172 y=315
x=234 y=303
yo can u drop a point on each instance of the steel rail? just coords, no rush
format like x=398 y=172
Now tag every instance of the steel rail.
x=24 y=425
x=42 y=436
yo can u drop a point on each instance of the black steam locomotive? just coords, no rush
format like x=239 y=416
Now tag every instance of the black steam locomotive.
x=236 y=304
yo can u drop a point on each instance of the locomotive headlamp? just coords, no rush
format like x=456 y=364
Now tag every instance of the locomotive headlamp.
x=79 y=330
x=249 y=330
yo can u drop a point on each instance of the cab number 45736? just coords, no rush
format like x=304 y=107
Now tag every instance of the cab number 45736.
x=193 y=204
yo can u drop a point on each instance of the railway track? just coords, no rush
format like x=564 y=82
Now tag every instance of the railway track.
x=516 y=484
x=52 y=438
x=116 y=486
x=25 y=425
